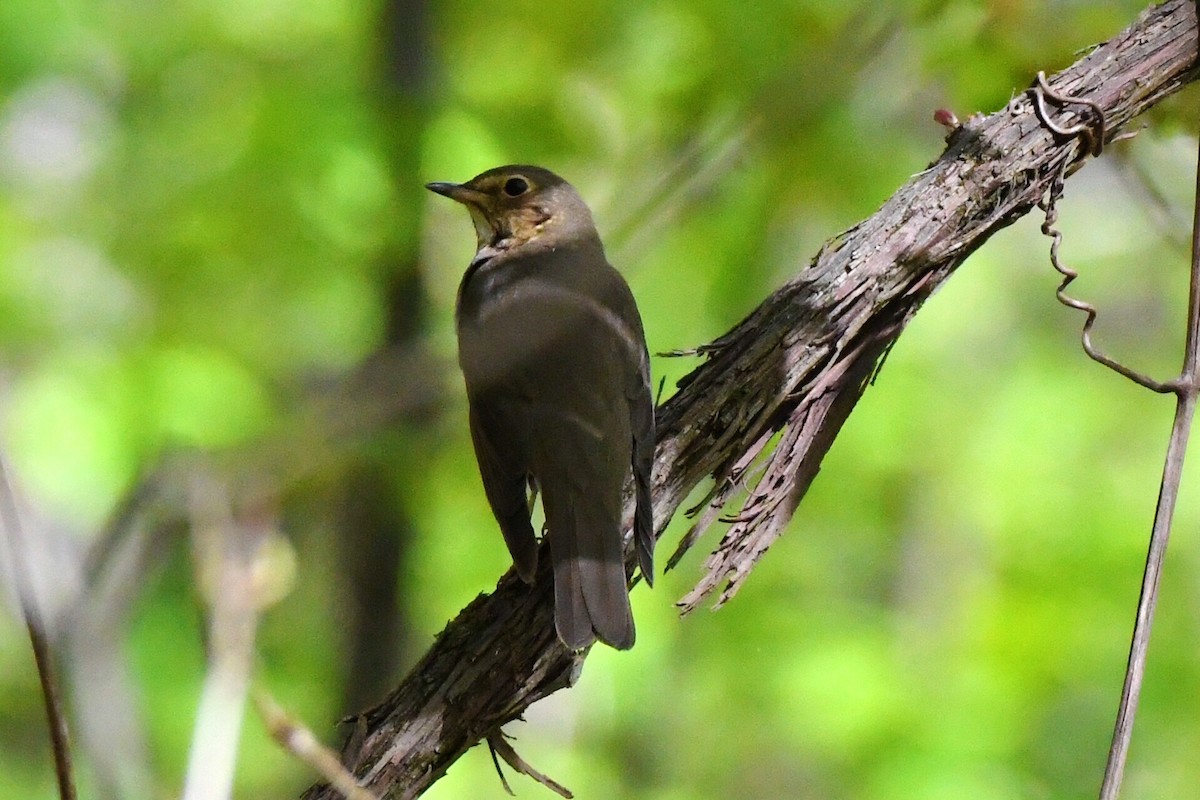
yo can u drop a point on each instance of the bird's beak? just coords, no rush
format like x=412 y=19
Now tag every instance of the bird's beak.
x=477 y=202
x=460 y=192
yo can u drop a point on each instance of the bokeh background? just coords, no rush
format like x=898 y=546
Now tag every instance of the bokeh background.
x=216 y=259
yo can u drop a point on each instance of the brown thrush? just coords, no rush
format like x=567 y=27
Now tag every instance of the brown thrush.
x=558 y=381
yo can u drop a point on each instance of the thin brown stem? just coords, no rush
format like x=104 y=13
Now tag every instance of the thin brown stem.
x=1091 y=128
x=1050 y=206
x=1186 y=392
x=502 y=748
x=55 y=718
x=300 y=742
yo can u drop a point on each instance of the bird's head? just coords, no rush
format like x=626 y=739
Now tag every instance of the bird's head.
x=520 y=208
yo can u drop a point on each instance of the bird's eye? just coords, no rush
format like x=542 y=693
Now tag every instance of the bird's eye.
x=515 y=187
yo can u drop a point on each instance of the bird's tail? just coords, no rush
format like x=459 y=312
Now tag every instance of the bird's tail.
x=591 y=598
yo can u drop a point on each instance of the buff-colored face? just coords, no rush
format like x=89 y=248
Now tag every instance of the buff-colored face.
x=509 y=206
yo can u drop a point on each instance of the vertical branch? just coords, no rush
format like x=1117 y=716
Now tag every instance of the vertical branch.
x=1185 y=388
x=226 y=554
x=26 y=595
x=375 y=527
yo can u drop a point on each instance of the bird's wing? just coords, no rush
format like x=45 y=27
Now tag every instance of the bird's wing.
x=641 y=418
x=641 y=422
x=504 y=469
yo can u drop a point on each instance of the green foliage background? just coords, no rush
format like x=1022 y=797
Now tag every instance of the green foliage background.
x=202 y=210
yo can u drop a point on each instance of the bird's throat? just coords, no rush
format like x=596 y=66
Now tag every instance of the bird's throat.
x=485 y=232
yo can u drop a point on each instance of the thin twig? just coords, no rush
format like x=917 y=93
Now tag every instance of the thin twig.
x=1049 y=205
x=1090 y=128
x=501 y=747
x=1185 y=389
x=22 y=578
x=225 y=552
x=300 y=742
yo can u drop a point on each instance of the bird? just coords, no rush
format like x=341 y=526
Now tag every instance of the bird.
x=553 y=354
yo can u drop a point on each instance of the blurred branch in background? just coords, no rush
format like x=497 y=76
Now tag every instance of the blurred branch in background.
x=775 y=390
x=128 y=553
x=374 y=527
x=233 y=572
x=20 y=567
x=301 y=742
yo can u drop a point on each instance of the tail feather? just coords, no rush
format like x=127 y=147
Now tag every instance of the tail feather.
x=607 y=598
x=591 y=598
x=571 y=618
